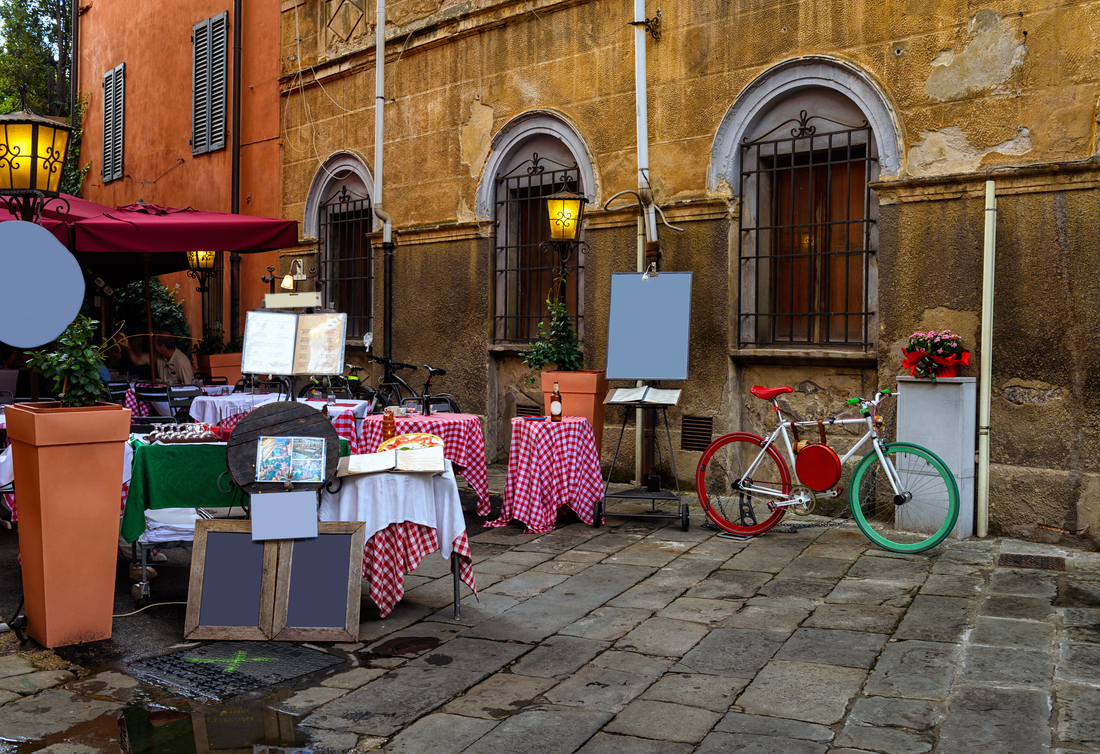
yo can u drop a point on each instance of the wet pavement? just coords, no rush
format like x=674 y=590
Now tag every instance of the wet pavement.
x=634 y=637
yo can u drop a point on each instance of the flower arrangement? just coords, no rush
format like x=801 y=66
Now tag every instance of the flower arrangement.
x=934 y=354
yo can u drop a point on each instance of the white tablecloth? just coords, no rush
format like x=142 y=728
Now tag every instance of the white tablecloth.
x=212 y=409
x=386 y=498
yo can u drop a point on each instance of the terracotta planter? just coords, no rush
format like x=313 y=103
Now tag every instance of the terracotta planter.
x=582 y=394
x=227 y=365
x=68 y=476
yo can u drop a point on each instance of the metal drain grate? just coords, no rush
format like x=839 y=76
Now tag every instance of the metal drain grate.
x=1032 y=561
x=227 y=669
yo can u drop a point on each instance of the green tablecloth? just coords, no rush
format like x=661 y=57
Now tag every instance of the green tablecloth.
x=179 y=476
x=176 y=476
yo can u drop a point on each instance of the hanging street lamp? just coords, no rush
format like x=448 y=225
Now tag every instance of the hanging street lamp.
x=33 y=149
x=565 y=211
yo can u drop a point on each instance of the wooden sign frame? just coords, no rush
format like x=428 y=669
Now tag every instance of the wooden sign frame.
x=350 y=630
x=262 y=630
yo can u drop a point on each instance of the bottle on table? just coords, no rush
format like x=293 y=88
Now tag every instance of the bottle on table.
x=389 y=426
x=555 y=404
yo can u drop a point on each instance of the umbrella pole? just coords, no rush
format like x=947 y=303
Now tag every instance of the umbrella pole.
x=148 y=309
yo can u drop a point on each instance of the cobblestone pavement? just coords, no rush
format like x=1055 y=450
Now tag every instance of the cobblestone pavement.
x=639 y=637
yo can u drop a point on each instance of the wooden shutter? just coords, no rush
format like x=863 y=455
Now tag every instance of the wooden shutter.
x=210 y=55
x=113 y=122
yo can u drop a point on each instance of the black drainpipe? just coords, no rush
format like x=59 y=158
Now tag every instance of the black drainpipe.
x=235 y=181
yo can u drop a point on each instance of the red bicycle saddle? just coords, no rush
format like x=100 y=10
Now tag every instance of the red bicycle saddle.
x=767 y=393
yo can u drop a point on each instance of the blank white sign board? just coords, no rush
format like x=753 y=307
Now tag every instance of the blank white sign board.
x=284 y=515
x=41 y=285
x=648 y=326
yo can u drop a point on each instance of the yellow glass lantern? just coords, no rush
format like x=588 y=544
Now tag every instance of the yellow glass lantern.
x=32 y=153
x=201 y=260
x=565 y=211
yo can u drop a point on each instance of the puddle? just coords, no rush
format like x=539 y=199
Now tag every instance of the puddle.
x=406 y=645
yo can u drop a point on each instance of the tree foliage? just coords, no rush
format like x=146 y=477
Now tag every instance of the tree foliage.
x=128 y=304
x=36 y=50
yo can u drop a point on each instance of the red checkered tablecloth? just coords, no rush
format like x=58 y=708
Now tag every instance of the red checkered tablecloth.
x=397 y=550
x=551 y=464
x=463 y=445
x=137 y=408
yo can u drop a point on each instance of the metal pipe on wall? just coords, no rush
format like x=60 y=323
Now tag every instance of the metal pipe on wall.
x=985 y=385
x=235 y=176
x=387 y=225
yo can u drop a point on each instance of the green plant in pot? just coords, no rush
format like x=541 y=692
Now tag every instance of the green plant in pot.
x=68 y=457
x=73 y=365
x=558 y=347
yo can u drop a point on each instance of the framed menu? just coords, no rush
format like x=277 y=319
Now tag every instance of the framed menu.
x=286 y=343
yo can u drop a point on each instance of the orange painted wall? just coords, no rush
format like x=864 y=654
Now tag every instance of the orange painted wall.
x=154 y=40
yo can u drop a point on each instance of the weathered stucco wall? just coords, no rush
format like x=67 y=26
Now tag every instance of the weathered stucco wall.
x=967 y=88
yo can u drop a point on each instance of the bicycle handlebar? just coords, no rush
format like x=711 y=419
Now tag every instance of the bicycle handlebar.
x=391 y=363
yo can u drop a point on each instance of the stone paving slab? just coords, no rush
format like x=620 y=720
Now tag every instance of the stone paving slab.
x=607 y=623
x=32 y=683
x=998 y=665
x=468 y=653
x=559 y=656
x=727 y=584
x=802 y=691
x=733 y=652
x=767 y=618
x=664 y=721
x=500 y=695
x=1080 y=662
x=48 y=712
x=877 y=619
x=599 y=688
x=440 y=734
x=598 y=584
x=713 y=613
x=809 y=568
x=850 y=649
x=712 y=692
x=933 y=618
x=722 y=743
x=663 y=636
x=914 y=670
x=872 y=592
x=953 y=585
x=997 y=721
x=605 y=743
x=550 y=730
x=15 y=665
x=1005 y=632
x=1078 y=714
x=528 y=622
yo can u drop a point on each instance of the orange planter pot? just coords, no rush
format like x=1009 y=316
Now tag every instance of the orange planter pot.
x=582 y=394
x=227 y=365
x=68 y=476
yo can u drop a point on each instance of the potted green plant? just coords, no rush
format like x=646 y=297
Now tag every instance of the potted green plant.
x=218 y=358
x=582 y=390
x=67 y=457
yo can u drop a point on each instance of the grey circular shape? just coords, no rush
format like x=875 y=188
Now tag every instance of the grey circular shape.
x=41 y=285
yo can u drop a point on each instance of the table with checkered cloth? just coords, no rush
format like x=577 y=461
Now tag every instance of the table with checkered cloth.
x=463 y=443
x=551 y=464
x=405 y=516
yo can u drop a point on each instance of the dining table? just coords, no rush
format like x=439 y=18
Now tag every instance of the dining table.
x=463 y=444
x=551 y=465
x=407 y=516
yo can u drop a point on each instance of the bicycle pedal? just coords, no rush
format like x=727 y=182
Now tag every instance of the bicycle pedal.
x=736 y=537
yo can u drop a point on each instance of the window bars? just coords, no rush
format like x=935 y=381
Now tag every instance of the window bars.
x=805 y=240
x=347 y=264
x=525 y=263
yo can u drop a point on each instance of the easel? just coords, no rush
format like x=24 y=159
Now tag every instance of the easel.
x=648 y=333
x=650 y=491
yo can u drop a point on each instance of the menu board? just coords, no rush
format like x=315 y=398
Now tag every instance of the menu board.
x=285 y=343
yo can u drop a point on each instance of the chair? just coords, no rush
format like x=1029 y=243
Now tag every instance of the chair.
x=318 y=393
x=441 y=404
x=179 y=399
x=117 y=391
x=274 y=386
x=209 y=380
x=245 y=383
x=6 y=397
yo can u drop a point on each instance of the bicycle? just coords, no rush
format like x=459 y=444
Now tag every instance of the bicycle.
x=903 y=497
x=339 y=385
x=440 y=402
x=389 y=390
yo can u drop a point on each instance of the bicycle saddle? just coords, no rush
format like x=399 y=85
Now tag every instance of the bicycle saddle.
x=432 y=371
x=767 y=393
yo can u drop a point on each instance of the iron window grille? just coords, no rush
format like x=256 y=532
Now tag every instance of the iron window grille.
x=525 y=264
x=212 y=297
x=347 y=263
x=114 y=109
x=209 y=40
x=805 y=240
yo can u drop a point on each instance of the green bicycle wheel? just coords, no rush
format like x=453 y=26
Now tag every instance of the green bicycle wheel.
x=921 y=516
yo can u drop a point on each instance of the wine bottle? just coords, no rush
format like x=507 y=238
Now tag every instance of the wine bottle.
x=555 y=404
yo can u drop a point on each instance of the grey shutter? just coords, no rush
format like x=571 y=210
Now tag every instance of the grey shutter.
x=200 y=89
x=219 y=56
x=210 y=55
x=114 y=111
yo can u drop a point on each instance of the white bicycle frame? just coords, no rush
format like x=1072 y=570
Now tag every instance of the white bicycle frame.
x=781 y=431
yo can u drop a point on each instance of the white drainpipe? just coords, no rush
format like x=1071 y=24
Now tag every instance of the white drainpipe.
x=985 y=386
x=641 y=116
x=379 y=113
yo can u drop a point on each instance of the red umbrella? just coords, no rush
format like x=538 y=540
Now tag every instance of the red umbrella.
x=105 y=239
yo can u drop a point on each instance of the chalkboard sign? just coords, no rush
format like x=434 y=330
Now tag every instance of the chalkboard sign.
x=649 y=324
x=317 y=591
x=232 y=583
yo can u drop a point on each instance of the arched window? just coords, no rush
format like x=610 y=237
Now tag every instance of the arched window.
x=339 y=215
x=804 y=154
x=535 y=155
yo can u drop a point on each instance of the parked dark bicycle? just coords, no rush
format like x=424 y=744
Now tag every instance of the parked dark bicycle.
x=391 y=389
x=443 y=403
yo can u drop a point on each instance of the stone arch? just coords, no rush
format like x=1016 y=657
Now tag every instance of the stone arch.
x=515 y=134
x=340 y=169
x=787 y=79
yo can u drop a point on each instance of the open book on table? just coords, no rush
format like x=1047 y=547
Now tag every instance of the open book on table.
x=656 y=396
x=429 y=459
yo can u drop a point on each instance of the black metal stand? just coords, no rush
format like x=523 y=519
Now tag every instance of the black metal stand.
x=655 y=497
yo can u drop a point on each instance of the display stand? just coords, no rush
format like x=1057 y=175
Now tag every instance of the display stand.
x=656 y=496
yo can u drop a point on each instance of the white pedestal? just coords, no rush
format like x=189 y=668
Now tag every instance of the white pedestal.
x=942 y=417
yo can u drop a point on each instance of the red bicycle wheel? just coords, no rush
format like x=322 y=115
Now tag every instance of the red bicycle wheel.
x=736 y=504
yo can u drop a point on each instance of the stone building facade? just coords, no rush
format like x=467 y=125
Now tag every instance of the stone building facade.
x=825 y=162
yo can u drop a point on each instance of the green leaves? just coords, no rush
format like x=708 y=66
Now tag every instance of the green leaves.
x=556 y=344
x=74 y=365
